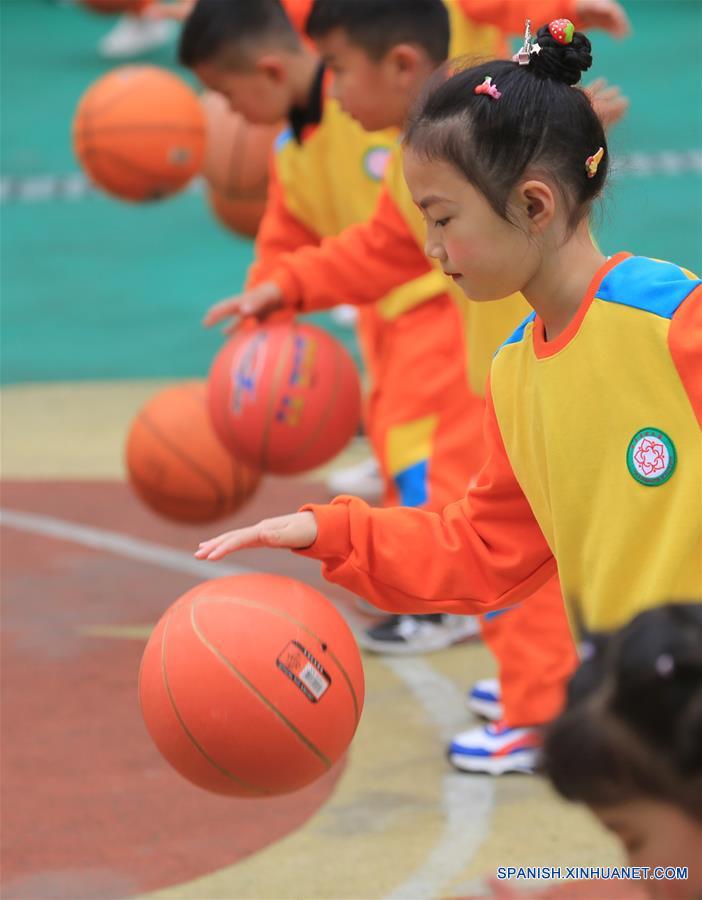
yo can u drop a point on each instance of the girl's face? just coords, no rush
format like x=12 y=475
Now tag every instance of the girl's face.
x=657 y=834
x=487 y=256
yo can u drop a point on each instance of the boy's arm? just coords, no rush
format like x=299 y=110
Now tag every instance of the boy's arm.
x=482 y=552
x=510 y=15
x=279 y=232
x=362 y=264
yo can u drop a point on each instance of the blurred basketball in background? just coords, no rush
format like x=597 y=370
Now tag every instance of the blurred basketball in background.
x=236 y=164
x=139 y=133
x=176 y=464
x=251 y=685
x=284 y=397
x=240 y=216
x=111 y=7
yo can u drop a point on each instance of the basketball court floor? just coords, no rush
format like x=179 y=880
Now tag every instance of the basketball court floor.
x=101 y=303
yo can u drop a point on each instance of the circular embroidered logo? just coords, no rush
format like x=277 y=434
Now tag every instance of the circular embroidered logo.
x=375 y=161
x=651 y=456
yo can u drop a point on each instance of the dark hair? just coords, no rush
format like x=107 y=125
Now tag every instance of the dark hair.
x=632 y=726
x=379 y=25
x=540 y=120
x=216 y=27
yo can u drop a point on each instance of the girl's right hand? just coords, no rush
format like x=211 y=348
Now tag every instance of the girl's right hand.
x=179 y=10
x=294 y=532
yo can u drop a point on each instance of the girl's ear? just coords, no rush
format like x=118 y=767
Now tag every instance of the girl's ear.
x=535 y=205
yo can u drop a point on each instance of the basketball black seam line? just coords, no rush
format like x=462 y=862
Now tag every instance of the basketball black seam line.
x=189 y=461
x=322 y=757
x=107 y=104
x=136 y=169
x=142 y=484
x=305 y=628
x=253 y=789
x=331 y=404
x=166 y=127
x=277 y=378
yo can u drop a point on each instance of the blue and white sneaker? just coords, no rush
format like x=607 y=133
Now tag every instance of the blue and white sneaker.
x=484 y=699
x=496 y=749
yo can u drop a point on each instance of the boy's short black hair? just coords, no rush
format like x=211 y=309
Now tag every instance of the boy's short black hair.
x=379 y=25
x=226 y=29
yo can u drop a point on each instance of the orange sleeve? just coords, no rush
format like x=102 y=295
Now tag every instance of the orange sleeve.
x=685 y=342
x=510 y=15
x=482 y=552
x=362 y=264
x=279 y=232
x=298 y=12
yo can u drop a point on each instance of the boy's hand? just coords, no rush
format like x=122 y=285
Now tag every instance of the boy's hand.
x=608 y=101
x=607 y=15
x=178 y=10
x=295 y=532
x=260 y=302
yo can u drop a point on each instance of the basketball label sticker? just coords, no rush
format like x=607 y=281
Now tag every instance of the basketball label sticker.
x=246 y=375
x=304 y=670
x=651 y=457
x=302 y=372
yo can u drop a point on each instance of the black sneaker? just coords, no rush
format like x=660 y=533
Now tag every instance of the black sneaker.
x=419 y=634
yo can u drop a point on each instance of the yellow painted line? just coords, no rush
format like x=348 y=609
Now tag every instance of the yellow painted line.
x=77 y=430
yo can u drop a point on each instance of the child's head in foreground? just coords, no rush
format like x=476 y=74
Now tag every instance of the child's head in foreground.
x=506 y=160
x=629 y=743
x=248 y=51
x=381 y=52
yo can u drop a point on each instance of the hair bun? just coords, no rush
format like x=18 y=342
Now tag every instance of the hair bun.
x=559 y=61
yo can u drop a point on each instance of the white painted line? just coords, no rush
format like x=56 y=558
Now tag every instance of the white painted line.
x=466 y=801
x=75 y=186
x=119 y=544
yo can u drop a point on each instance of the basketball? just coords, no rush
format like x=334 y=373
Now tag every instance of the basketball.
x=176 y=464
x=139 y=133
x=110 y=7
x=242 y=216
x=284 y=397
x=251 y=685
x=236 y=158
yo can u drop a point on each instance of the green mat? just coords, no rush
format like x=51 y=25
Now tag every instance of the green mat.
x=93 y=288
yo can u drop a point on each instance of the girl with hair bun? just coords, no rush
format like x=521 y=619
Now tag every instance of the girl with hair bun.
x=594 y=404
x=629 y=743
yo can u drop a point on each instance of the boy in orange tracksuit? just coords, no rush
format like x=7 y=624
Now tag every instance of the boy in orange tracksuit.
x=326 y=174
x=543 y=651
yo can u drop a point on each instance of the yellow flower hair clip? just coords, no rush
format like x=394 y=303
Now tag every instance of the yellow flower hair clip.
x=592 y=162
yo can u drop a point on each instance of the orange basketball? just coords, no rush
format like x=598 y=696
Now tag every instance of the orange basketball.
x=284 y=397
x=176 y=464
x=242 y=216
x=139 y=133
x=251 y=685
x=236 y=161
x=110 y=7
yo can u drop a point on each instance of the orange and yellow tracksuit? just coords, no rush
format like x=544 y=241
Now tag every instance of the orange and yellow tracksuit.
x=424 y=421
x=607 y=491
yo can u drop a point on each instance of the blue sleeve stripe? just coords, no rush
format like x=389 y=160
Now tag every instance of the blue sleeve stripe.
x=283 y=138
x=647 y=284
x=412 y=484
